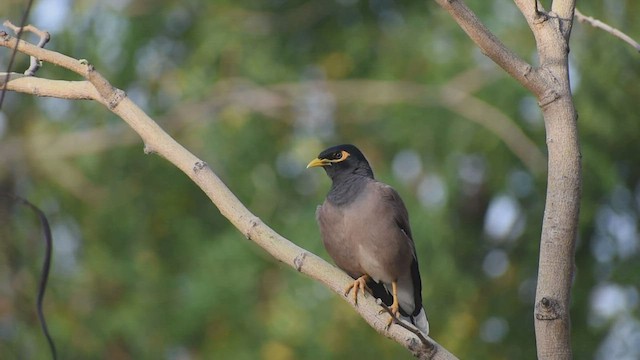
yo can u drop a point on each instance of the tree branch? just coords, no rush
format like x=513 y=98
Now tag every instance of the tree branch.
x=608 y=28
x=61 y=89
x=44 y=39
x=491 y=46
x=158 y=141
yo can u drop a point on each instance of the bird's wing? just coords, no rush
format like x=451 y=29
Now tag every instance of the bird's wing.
x=401 y=216
x=400 y=213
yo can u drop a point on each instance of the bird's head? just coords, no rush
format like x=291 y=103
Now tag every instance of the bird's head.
x=342 y=160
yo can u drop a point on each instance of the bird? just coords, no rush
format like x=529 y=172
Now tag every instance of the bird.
x=364 y=225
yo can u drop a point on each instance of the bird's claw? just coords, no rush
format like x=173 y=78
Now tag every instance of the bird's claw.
x=393 y=309
x=359 y=283
x=389 y=323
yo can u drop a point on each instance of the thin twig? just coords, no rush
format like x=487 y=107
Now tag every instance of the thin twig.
x=44 y=39
x=608 y=28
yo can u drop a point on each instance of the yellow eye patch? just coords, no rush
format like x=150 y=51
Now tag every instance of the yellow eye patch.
x=335 y=158
x=341 y=156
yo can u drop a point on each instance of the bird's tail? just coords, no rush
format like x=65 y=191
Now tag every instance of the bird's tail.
x=421 y=322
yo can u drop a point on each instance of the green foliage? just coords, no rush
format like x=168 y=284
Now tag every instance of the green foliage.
x=146 y=267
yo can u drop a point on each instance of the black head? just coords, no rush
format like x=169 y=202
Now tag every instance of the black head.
x=343 y=161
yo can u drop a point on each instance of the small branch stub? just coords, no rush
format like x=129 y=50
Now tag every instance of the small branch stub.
x=547 y=309
x=148 y=149
x=118 y=96
x=298 y=262
x=199 y=165
x=254 y=222
x=549 y=96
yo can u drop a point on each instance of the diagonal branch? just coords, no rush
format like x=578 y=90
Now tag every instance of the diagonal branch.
x=158 y=141
x=491 y=46
x=608 y=28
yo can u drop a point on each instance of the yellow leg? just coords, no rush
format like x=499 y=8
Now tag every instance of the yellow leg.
x=359 y=283
x=395 y=307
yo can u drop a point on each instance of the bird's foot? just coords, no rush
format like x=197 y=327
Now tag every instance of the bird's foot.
x=359 y=283
x=394 y=310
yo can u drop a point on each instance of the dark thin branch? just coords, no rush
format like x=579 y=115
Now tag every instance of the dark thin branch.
x=608 y=28
x=25 y=16
x=46 y=266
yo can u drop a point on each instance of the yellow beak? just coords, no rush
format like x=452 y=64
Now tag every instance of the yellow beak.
x=318 y=162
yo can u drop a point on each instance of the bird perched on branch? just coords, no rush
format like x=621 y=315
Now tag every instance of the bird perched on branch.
x=364 y=225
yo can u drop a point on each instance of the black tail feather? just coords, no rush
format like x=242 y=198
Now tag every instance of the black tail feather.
x=380 y=292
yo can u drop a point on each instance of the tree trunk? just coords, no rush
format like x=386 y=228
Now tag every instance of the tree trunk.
x=559 y=226
x=549 y=82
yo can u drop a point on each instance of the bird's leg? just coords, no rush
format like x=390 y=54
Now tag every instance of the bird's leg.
x=359 y=283
x=395 y=306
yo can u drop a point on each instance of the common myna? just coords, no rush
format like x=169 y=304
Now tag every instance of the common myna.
x=364 y=225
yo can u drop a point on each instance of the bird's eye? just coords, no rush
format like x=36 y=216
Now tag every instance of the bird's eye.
x=338 y=156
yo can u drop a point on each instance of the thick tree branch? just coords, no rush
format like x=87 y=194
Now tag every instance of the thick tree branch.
x=491 y=46
x=158 y=141
x=608 y=28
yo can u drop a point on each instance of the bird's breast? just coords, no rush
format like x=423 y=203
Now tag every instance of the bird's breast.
x=363 y=238
x=334 y=236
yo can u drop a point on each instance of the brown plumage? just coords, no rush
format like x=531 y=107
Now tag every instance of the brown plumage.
x=364 y=225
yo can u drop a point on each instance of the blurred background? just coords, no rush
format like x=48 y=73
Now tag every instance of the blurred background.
x=145 y=267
